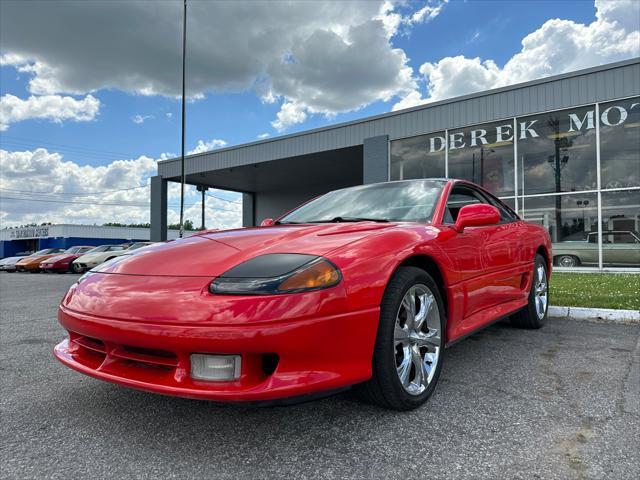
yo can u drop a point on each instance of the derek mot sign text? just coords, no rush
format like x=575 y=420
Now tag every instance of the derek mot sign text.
x=611 y=117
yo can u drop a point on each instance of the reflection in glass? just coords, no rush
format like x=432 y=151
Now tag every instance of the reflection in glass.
x=509 y=201
x=620 y=227
x=557 y=151
x=572 y=222
x=484 y=155
x=418 y=157
x=408 y=201
x=620 y=143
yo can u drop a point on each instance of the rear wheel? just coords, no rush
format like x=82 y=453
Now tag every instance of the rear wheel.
x=408 y=353
x=534 y=315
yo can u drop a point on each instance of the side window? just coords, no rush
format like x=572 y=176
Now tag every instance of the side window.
x=506 y=214
x=458 y=198
x=623 y=237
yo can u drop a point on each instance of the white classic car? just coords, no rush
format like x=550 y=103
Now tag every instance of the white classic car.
x=101 y=254
x=97 y=256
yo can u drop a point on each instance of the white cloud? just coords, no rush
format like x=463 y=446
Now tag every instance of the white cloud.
x=558 y=46
x=290 y=113
x=51 y=107
x=428 y=12
x=40 y=186
x=262 y=136
x=203 y=146
x=280 y=50
x=139 y=119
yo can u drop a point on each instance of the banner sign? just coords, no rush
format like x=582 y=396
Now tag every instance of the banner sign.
x=28 y=232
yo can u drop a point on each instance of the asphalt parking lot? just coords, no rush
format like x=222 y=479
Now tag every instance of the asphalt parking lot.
x=561 y=402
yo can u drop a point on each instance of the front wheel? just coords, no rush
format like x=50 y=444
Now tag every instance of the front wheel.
x=408 y=354
x=75 y=268
x=567 y=261
x=534 y=315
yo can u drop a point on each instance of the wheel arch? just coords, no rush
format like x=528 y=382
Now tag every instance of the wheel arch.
x=429 y=265
x=542 y=250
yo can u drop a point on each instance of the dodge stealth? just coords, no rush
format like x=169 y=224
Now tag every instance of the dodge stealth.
x=364 y=287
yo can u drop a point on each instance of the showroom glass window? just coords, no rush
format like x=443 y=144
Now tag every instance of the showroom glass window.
x=572 y=223
x=418 y=157
x=484 y=155
x=557 y=151
x=620 y=143
x=620 y=228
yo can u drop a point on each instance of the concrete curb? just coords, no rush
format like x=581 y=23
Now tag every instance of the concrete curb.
x=596 y=314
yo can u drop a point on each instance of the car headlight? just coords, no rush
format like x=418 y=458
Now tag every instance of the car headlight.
x=277 y=273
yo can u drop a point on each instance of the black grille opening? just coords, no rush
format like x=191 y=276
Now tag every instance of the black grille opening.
x=149 y=351
x=269 y=363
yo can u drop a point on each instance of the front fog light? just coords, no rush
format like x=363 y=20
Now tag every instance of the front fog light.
x=218 y=368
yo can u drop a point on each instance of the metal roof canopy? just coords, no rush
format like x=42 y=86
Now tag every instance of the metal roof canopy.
x=606 y=82
x=342 y=166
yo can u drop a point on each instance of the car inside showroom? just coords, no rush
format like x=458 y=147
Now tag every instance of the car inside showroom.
x=563 y=152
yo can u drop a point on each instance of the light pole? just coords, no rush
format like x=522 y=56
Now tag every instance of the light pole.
x=184 y=67
x=473 y=164
x=583 y=204
x=203 y=189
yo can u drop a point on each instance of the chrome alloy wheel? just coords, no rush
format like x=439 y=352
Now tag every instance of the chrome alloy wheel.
x=417 y=339
x=541 y=291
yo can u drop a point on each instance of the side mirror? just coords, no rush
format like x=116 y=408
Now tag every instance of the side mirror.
x=267 y=222
x=477 y=215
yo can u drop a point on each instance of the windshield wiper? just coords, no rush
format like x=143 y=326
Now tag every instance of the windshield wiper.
x=351 y=219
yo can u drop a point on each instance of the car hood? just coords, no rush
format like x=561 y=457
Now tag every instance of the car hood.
x=62 y=258
x=12 y=261
x=211 y=254
x=89 y=257
x=34 y=259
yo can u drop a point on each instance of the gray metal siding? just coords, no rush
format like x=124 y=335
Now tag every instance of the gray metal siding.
x=563 y=91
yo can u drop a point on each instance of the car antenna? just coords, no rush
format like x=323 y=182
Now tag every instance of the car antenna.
x=182 y=179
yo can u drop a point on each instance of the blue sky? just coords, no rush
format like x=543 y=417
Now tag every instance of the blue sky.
x=239 y=112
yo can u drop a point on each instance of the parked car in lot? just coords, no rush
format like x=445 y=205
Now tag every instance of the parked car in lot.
x=362 y=286
x=137 y=245
x=62 y=263
x=619 y=248
x=32 y=262
x=8 y=264
x=97 y=256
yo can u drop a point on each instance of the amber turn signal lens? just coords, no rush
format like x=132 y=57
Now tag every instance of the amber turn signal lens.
x=321 y=274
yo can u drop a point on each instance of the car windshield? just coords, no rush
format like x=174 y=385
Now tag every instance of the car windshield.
x=101 y=248
x=137 y=245
x=42 y=252
x=403 y=201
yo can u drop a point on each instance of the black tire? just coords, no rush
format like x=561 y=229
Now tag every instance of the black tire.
x=384 y=388
x=528 y=317
x=75 y=268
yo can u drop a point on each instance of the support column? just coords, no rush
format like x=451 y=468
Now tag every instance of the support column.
x=375 y=159
x=248 y=210
x=158 y=214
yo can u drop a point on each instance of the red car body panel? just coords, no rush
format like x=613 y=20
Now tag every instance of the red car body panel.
x=60 y=262
x=136 y=322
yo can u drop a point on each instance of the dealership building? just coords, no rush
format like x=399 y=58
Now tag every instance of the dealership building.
x=31 y=239
x=563 y=151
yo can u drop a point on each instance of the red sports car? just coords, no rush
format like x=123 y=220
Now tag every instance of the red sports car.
x=362 y=286
x=63 y=262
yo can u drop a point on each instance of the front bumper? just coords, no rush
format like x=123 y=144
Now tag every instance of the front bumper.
x=281 y=359
x=54 y=266
x=86 y=265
